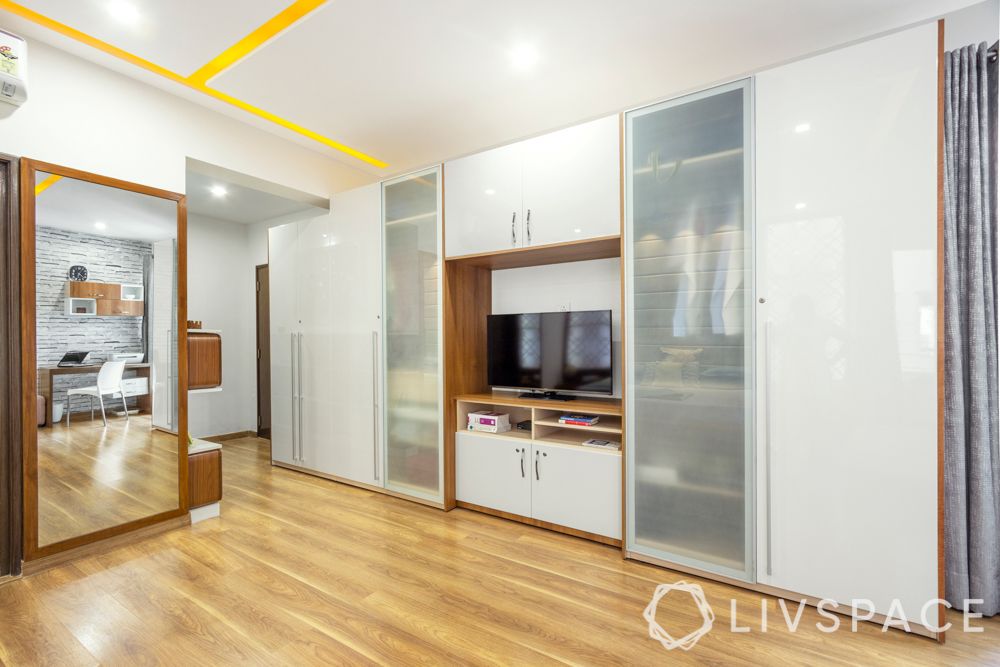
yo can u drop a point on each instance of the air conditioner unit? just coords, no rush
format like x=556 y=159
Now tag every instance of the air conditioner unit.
x=13 y=69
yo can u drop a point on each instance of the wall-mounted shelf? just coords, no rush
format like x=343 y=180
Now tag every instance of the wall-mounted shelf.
x=133 y=293
x=108 y=299
x=77 y=307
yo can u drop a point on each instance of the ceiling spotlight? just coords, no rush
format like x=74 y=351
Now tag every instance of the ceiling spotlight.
x=800 y=206
x=123 y=12
x=523 y=56
x=218 y=191
x=100 y=225
x=802 y=127
x=490 y=191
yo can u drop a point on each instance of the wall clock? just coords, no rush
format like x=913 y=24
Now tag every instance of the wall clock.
x=78 y=272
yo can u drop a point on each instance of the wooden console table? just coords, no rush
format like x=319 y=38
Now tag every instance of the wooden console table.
x=47 y=376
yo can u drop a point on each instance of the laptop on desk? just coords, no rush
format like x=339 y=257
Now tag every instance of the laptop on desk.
x=74 y=359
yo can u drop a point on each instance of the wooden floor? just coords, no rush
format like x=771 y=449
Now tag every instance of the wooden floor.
x=91 y=477
x=303 y=571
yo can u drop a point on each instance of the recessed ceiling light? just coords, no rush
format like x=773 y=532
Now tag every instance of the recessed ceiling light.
x=123 y=11
x=800 y=206
x=218 y=191
x=490 y=191
x=802 y=127
x=100 y=225
x=523 y=56
x=577 y=230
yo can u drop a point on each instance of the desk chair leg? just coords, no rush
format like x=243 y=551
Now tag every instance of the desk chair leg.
x=91 y=407
x=68 y=404
x=103 y=416
x=124 y=406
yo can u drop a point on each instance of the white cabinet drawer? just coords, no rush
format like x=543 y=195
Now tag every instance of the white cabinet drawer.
x=135 y=386
x=493 y=472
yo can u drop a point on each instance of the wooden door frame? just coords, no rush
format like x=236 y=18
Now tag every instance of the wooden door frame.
x=256 y=276
x=29 y=370
x=10 y=370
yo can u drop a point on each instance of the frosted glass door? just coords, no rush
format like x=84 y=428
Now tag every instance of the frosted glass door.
x=412 y=350
x=689 y=290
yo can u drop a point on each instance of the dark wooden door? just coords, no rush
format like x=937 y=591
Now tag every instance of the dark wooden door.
x=10 y=364
x=263 y=354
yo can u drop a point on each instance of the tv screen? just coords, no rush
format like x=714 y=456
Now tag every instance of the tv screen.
x=567 y=351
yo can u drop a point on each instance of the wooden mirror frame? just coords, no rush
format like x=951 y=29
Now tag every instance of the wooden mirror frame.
x=29 y=370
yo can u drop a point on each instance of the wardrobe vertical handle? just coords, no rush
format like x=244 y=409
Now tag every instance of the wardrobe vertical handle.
x=295 y=402
x=513 y=235
x=527 y=222
x=301 y=455
x=522 y=461
x=536 y=465
x=375 y=403
x=767 y=439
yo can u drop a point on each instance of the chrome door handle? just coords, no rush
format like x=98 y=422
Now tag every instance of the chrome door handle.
x=536 y=465
x=527 y=222
x=375 y=403
x=301 y=455
x=522 y=461
x=513 y=235
x=767 y=439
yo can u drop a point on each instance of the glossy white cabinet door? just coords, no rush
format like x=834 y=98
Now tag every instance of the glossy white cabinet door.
x=493 y=472
x=577 y=487
x=283 y=275
x=316 y=315
x=483 y=202
x=354 y=252
x=846 y=237
x=572 y=183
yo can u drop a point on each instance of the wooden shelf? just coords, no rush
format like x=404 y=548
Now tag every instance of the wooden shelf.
x=602 y=247
x=606 y=425
x=597 y=406
x=512 y=434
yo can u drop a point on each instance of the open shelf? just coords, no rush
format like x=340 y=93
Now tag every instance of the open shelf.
x=602 y=247
x=595 y=406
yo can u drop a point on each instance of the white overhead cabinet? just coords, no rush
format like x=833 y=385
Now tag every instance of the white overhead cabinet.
x=559 y=187
x=566 y=485
x=325 y=328
x=847 y=268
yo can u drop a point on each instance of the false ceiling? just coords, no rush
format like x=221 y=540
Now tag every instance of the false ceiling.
x=401 y=84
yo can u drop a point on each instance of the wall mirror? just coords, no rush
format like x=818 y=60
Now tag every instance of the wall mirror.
x=103 y=354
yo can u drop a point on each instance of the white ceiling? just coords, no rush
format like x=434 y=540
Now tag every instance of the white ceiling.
x=414 y=83
x=77 y=206
x=241 y=204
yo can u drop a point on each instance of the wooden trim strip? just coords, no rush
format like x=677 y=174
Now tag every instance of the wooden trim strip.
x=10 y=370
x=601 y=247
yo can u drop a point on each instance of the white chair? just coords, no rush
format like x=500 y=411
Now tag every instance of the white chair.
x=109 y=381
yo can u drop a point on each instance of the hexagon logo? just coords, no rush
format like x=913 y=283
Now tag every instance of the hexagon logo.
x=688 y=641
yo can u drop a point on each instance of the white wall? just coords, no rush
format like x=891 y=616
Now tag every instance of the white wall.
x=221 y=295
x=81 y=115
x=591 y=285
x=974 y=24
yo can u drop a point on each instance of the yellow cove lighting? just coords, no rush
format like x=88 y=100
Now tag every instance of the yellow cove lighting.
x=46 y=184
x=198 y=80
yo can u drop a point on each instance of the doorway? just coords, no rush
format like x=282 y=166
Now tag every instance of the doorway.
x=263 y=353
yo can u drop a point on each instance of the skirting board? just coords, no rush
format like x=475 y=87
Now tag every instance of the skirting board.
x=878 y=619
x=205 y=512
x=230 y=436
x=610 y=541
x=360 y=485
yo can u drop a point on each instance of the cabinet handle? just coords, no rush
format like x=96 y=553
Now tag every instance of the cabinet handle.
x=536 y=465
x=528 y=223
x=513 y=235
x=375 y=402
x=767 y=438
x=295 y=401
x=522 y=461
x=301 y=456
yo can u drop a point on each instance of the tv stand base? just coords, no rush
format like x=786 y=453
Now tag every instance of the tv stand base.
x=547 y=396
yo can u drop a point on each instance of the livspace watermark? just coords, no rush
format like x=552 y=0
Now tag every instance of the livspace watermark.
x=834 y=615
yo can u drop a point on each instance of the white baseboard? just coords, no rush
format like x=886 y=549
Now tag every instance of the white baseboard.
x=204 y=512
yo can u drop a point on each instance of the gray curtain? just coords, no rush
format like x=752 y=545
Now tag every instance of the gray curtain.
x=972 y=458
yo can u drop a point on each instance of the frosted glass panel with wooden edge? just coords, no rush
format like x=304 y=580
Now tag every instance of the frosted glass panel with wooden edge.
x=688 y=291
x=412 y=335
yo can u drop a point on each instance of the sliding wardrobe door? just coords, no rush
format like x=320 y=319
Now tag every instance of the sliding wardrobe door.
x=412 y=338
x=689 y=287
x=847 y=257
x=283 y=269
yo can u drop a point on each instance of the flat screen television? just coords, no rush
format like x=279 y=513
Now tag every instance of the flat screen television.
x=550 y=352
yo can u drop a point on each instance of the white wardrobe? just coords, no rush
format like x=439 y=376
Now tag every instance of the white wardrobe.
x=781 y=312
x=325 y=323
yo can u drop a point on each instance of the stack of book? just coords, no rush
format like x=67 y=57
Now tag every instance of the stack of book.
x=579 y=420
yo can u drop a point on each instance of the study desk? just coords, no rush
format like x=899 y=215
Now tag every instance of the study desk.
x=48 y=374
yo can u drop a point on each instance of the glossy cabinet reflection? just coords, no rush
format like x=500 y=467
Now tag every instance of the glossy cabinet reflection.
x=412 y=339
x=688 y=303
